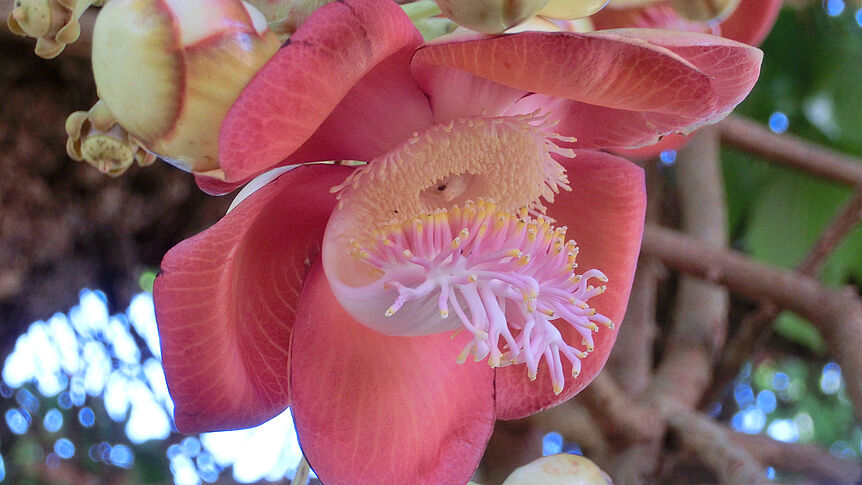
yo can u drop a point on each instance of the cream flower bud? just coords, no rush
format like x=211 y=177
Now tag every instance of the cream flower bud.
x=490 y=16
x=169 y=70
x=54 y=23
x=96 y=138
x=704 y=10
x=285 y=16
x=572 y=9
x=562 y=469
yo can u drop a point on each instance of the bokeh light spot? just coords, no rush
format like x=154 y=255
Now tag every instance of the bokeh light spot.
x=64 y=448
x=834 y=8
x=87 y=417
x=17 y=421
x=53 y=420
x=830 y=379
x=667 y=157
x=122 y=456
x=552 y=443
x=778 y=122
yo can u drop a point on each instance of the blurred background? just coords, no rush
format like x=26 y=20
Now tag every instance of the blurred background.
x=83 y=395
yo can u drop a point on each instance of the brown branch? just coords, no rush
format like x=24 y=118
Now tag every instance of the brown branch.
x=752 y=137
x=618 y=415
x=836 y=313
x=80 y=48
x=756 y=324
x=713 y=445
x=700 y=313
x=809 y=460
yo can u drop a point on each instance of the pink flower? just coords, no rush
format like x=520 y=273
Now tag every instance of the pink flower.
x=469 y=139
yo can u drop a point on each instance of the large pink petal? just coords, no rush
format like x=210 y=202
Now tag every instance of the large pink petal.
x=370 y=408
x=732 y=69
x=348 y=62
x=607 y=70
x=226 y=300
x=751 y=21
x=604 y=213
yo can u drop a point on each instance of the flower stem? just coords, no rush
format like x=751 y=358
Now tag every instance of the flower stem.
x=302 y=472
x=421 y=9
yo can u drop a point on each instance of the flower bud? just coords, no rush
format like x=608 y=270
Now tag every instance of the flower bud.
x=704 y=10
x=285 y=16
x=54 y=23
x=572 y=9
x=169 y=70
x=490 y=16
x=562 y=469
x=96 y=138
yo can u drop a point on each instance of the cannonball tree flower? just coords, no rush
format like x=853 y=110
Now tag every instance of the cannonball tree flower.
x=354 y=294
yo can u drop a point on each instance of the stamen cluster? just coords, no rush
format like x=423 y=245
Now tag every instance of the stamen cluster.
x=508 y=277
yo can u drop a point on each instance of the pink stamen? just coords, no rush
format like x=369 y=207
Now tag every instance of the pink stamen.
x=508 y=277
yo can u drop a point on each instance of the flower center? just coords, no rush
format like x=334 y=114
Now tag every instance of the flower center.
x=451 y=223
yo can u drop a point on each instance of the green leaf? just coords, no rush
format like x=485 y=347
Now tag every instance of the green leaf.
x=800 y=331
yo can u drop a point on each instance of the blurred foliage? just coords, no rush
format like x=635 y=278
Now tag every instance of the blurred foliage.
x=811 y=73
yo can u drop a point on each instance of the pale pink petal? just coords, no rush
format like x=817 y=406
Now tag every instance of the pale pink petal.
x=456 y=94
x=348 y=63
x=604 y=213
x=602 y=127
x=751 y=21
x=370 y=408
x=226 y=301
x=652 y=16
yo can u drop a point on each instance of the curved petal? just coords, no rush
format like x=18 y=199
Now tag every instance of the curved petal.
x=604 y=213
x=602 y=69
x=732 y=69
x=348 y=63
x=226 y=299
x=370 y=408
x=751 y=21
